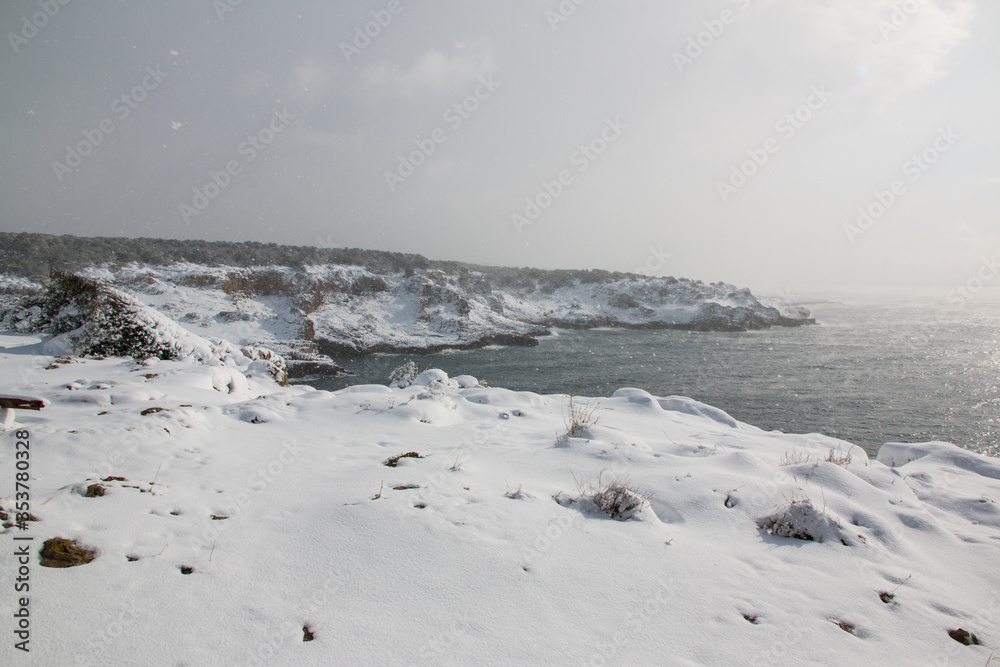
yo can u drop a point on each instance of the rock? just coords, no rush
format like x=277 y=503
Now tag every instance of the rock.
x=94 y=491
x=60 y=552
x=964 y=637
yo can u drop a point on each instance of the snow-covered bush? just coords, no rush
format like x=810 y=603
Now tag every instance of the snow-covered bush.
x=619 y=501
x=97 y=319
x=403 y=376
x=100 y=320
x=266 y=362
x=802 y=521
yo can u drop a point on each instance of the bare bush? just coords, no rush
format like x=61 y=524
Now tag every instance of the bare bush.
x=578 y=414
x=619 y=501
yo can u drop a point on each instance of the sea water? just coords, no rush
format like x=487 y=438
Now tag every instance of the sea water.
x=877 y=368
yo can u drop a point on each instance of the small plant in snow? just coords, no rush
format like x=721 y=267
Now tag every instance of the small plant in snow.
x=403 y=376
x=516 y=494
x=578 y=414
x=840 y=458
x=793 y=458
x=619 y=499
x=802 y=521
x=460 y=459
x=436 y=390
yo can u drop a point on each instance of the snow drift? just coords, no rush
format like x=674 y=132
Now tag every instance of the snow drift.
x=236 y=524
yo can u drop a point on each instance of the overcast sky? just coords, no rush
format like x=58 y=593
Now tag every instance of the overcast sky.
x=726 y=140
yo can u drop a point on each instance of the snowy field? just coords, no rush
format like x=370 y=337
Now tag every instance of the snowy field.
x=249 y=517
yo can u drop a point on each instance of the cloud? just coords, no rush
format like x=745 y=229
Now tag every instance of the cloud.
x=309 y=79
x=912 y=50
x=433 y=70
x=877 y=49
x=330 y=138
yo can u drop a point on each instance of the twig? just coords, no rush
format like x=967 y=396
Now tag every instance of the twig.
x=900 y=585
x=213 y=551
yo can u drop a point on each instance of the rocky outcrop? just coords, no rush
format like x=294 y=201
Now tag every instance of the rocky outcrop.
x=312 y=314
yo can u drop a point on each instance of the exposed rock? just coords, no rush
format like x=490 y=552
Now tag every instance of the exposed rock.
x=964 y=637
x=60 y=552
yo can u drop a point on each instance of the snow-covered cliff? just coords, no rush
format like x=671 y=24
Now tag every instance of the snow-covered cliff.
x=312 y=312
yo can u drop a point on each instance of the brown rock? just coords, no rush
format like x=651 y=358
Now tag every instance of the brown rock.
x=60 y=552
x=964 y=637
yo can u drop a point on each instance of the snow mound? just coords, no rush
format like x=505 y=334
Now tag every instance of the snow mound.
x=689 y=406
x=434 y=377
x=800 y=520
x=897 y=455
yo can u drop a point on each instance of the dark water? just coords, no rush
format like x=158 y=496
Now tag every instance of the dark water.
x=877 y=369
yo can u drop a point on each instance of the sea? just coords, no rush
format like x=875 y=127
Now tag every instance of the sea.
x=879 y=366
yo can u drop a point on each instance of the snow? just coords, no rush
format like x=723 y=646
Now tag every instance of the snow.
x=500 y=553
x=299 y=311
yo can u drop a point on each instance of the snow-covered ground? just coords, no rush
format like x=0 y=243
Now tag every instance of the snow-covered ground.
x=490 y=548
